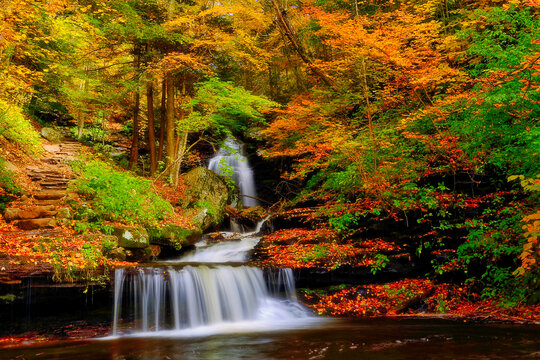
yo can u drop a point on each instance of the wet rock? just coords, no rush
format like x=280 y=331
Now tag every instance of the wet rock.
x=141 y=254
x=131 y=237
x=52 y=135
x=173 y=236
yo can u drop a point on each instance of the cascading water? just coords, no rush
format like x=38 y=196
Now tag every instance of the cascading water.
x=194 y=300
x=231 y=156
x=207 y=298
x=200 y=295
x=235 y=250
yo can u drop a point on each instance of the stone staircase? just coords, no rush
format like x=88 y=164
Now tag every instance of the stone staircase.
x=43 y=207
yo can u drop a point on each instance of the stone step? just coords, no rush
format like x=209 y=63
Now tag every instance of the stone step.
x=35 y=212
x=50 y=195
x=51 y=177
x=48 y=202
x=49 y=182
x=32 y=224
x=54 y=187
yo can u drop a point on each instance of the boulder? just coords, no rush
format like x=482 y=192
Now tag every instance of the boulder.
x=131 y=237
x=64 y=213
x=206 y=196
x=173 y=236
x=52 y=135
x=11 y=214
x=117 y=254
x=249 y=218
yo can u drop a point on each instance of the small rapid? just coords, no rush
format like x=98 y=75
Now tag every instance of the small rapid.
x=234 y=248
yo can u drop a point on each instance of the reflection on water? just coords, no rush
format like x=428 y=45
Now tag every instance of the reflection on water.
x=343 y=340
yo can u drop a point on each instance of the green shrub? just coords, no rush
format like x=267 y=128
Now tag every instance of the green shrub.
x=7 y=179
x=16 y=128
x=118 y=195
x=8 y=185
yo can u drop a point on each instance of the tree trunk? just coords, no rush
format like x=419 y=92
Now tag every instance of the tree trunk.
x=368 y=112
x=288 y=31
x=80 y=122
x=134 y=155
x=170 y=124
x=181 y=142
x=162 y=121
x=151 y=126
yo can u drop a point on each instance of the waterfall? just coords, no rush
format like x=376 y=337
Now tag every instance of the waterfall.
x=230 y=157
x=150 y=300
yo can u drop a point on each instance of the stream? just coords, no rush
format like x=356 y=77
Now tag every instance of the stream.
x=209 y=304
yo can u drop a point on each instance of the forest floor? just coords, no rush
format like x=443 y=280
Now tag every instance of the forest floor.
x=36 y=239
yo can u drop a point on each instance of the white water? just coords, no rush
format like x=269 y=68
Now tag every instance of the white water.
x=194 y=301
x=234 y=249
x=231 y=156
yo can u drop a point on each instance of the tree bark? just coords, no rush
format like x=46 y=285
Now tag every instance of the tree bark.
x=170 y=146
x=134 y=155
x=368 y=112
x=181 y=142
x=80 y=121
x=163 y=120
x=151 y=127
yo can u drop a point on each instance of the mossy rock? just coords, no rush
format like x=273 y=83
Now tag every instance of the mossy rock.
x=173 y=236
x=206 y=196
x=131 y=237
x=52 y=135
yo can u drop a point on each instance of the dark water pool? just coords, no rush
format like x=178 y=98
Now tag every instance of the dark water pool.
x=364 y=339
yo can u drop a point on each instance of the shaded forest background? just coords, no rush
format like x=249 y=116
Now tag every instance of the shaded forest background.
x=421 y=116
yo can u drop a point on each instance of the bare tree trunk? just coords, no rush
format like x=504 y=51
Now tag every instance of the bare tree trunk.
x=80 y=122
x=170 y=123
x=134 y=155
x=151 y=126
x=368 y=112
x=288 y=31
x=181 y=143
x=163 y=120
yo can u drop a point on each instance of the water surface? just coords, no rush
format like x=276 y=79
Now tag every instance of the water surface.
x=373 y=339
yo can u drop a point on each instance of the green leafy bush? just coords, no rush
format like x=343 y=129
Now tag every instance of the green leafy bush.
x=16 y=128
x=8 y=185
x=118 y=195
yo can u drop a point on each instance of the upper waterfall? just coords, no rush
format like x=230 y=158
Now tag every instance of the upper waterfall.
x=231 y=156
